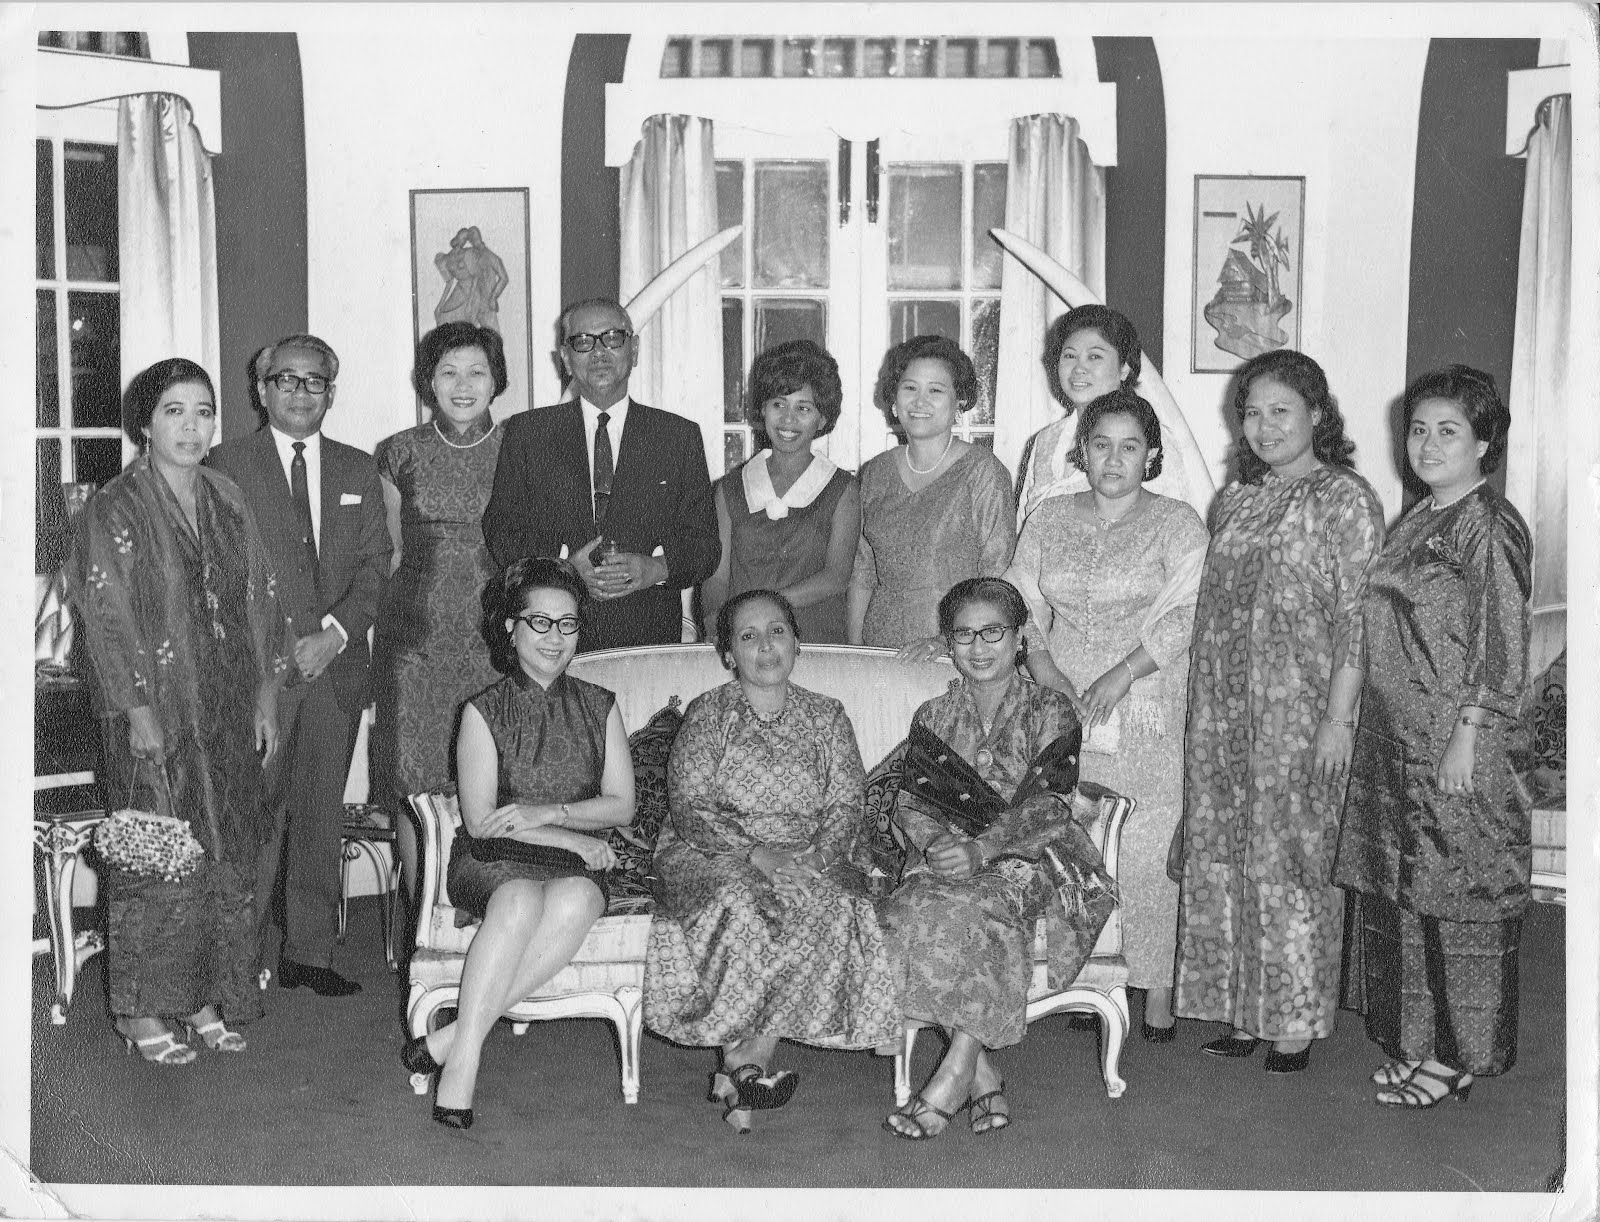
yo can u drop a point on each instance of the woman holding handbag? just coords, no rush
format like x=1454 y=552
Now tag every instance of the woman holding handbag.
x=187 y=646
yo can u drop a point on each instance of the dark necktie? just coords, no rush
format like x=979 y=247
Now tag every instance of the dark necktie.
x=602 y=470
x=299 y=492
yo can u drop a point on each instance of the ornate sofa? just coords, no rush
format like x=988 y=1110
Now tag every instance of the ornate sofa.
x=605 y=978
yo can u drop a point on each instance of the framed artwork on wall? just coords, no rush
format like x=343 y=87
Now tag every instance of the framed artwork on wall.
x=469 y=262
x=1249 y=235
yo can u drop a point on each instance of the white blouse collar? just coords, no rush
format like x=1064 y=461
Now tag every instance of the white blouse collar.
x=760 y=496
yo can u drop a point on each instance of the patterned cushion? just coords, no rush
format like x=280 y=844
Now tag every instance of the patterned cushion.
x=878 y=852
x=650 y=745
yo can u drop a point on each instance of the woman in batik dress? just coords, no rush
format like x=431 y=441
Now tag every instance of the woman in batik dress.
x=1437 y=829
x=1273 y=684
x=763 y=927
x=963 y=918
x=188 y=648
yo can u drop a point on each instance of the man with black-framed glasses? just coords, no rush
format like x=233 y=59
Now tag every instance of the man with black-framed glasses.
x=619 y=488
x=320 y=510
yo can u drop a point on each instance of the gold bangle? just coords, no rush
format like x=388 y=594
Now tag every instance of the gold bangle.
x=565 y=815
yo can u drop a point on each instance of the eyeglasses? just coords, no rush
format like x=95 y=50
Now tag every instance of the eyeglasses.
x=288 y=383
x=990 y=633
x=568 y=624
x=612 y=338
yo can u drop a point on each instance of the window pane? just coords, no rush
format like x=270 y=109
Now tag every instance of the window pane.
x=44 y=210
x=716 y=57
x=796 y=57
x=988 y=212
x=878 y=57
x=94 y=324
x=918 y=59
x=730 y=211
x=839 y=57
x=791 y=224
x=908 y=318
x=1000 y=58
x=732 y=359
x=48 y=394
x=90 y=188
x=96 y=459
x=733 y=449
x=50 y=513
x=924 y=227
x=781 y=319
x=960 y=57
x=755 y=57
x=985 y=352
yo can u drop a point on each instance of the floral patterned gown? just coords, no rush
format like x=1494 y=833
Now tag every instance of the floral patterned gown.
x=429 y=654
x=728 y=959
x=1259 y=917
x=188 y=625
x=964 y=949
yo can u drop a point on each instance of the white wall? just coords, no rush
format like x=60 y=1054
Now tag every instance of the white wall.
x=1342 y=113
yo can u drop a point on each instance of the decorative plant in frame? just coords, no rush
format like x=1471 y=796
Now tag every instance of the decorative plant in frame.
x=1249 y=302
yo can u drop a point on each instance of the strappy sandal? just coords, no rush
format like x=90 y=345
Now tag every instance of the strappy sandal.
x=913 y=1112
x=1393 y=1073
x=217 y=1037
x=745 y=1090
x=1410 y=1094
x=162 y=1049
x=983 y=1108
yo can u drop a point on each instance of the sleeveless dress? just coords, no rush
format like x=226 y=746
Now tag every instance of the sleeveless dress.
x=771 y=553
x=552 y=747
x=429 y=654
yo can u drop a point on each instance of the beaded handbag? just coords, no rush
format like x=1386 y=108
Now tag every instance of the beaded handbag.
x=149 y=842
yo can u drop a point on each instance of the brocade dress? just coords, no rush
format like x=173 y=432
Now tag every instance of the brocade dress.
x=429 y=654
x=1260 y=921
x=916 y=545
x=188 y=625
x=727 y=958
x=1097 y=592
x=1443 y=878
x=963 y=949
x=551 y=744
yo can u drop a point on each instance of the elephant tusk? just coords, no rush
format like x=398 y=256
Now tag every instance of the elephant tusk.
x=675 y=275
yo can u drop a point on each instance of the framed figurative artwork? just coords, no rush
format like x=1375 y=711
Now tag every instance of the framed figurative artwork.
x=469 y=262
x=1249 y=233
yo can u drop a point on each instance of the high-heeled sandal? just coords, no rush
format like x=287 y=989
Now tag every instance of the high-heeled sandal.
x=913 y=1112
x=983 y=1108
x=417 y=1057
x=1410 y=1094
x=162 y=1049
x=763 y=1093
x=723 y=1091
x=453 y=1117
x=1393 y=1073
x=217 y=1037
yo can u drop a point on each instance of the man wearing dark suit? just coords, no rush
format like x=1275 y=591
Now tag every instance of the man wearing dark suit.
x=604 y=469
x=320 y=509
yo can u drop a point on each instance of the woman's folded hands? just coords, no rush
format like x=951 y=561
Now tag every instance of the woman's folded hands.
x=953 y=856
x=791 y=872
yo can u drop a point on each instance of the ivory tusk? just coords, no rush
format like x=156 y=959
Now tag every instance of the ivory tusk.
x=675 y=275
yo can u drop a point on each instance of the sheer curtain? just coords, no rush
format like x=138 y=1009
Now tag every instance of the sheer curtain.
x=1536 y=465
x=669 y=204
x=1056 y=199
x=167 y=235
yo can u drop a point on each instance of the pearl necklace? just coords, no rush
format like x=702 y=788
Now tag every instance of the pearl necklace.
x=916 y=470
x=493 y=424
x=1446 y=504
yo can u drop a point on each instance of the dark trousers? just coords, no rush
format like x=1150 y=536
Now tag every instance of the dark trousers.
x=306 y=782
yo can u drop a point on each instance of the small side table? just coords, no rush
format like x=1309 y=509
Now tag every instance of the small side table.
x=61 y=837
x=366 y=827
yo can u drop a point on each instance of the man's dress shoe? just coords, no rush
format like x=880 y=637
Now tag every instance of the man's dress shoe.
x=322 y=980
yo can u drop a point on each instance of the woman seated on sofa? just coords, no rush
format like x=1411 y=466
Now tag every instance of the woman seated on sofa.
x=962 y=920
x=543 y=765
x=764 y=929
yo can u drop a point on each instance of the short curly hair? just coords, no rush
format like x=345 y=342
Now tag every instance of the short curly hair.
x=1304 y=376
x=1120 y=403
x=963 y=376
x=788 y=367
x=1474 y=392
x=450 y=337
x=506 y=596
x=144 y=392
x=729 y=609
x=1114 y=325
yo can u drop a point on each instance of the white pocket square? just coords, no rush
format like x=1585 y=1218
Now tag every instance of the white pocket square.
x=349 y=498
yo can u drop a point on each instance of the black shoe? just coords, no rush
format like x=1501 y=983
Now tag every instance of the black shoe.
x=760 y=1093
x=321 y=980
x=453 y=1117
x=414 y=1055
x=1288 y=1062
x=1231 y=1046
x=1159 y=1035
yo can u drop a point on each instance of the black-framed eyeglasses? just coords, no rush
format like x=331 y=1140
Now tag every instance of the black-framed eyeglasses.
x=992 y=633
x=568 y=624
x=288 y=383
x=584 y=341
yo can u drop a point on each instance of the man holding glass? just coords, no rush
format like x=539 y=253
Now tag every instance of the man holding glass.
x=620 y=489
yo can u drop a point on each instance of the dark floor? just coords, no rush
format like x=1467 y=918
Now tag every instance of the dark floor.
x=320 y=1099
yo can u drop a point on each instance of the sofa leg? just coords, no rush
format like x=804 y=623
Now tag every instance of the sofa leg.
x=519 y=1028
x=630 y=1034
